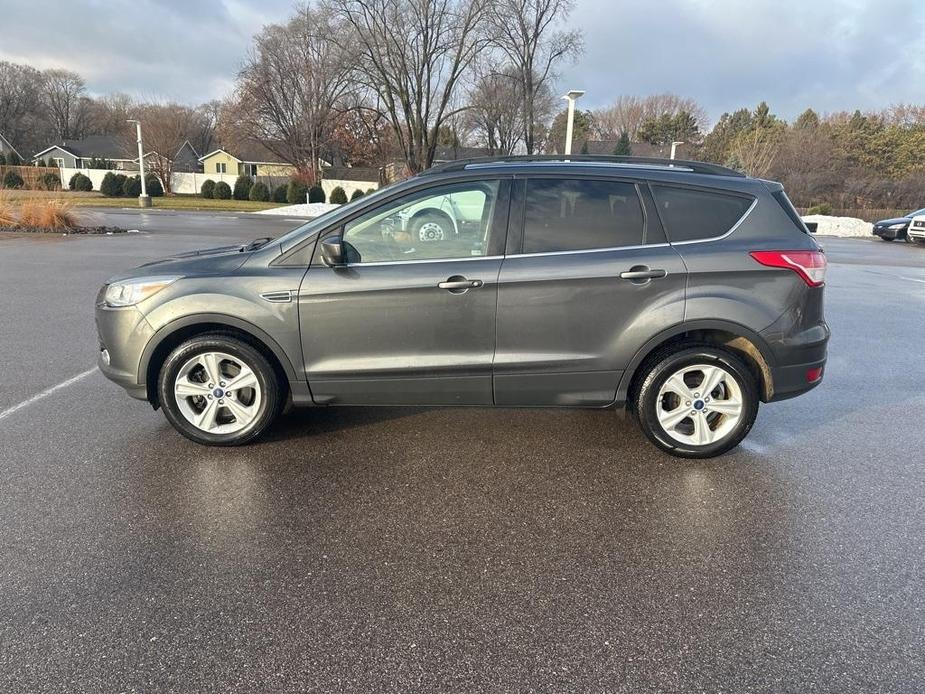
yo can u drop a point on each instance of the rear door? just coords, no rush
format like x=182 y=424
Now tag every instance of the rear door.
x=588 y=279
x=411 y=318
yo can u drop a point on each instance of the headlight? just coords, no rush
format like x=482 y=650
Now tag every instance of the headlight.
x=131 y=292
x=901 y=225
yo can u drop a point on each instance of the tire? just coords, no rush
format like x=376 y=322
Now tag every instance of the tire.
x=235 y=416
x=884 y=238
x=429 y=227
x=658 y=402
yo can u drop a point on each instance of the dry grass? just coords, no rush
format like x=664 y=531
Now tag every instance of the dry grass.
x=7 y=218
x=49 y=214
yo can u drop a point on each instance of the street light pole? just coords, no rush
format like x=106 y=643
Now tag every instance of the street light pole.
x=144 y=200
x=571 y=97
x=674 y=148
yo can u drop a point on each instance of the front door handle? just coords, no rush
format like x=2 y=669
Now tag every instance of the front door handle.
x=643 y=273
x=457 y=284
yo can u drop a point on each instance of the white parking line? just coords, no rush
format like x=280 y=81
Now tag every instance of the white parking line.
x=912 y=279
x=45 y=393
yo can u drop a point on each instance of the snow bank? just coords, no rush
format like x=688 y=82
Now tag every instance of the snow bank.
x=841 y=226
x=311 y=210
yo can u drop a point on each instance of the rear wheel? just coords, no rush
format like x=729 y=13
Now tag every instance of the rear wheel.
x=697 y=402
x=218 y=390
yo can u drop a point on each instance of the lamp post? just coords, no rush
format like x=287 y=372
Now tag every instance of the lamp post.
x=144 y=200
x=571 y=97
x=674 y=148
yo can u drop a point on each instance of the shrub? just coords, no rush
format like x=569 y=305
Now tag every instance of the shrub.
x=72 y=184
x=7 y=219
x=50 y=181
x=83 y=183
x=295 y=193
x=11 y=179
x=823 y=208
x=2 y=159
x=132 y=187
x=370 y=191
x=110 y=187
x=279 y=193
x=208 y=189
x=338 y=196
x=222 y=191
x=153 y=186
x=356 y=194
x=259 y=192
x=242 y=187
x=316 y=194
x=47 y=214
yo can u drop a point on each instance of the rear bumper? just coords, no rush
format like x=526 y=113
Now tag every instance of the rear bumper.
x=796 y=379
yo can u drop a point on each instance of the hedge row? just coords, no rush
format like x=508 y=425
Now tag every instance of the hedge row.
x=294 y=193
x=119 y=185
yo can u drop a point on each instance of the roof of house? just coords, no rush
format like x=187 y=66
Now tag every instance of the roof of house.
x=249 y=152
x=639 y=149
x=10 y=145
x=98 y=146
x=187 y=145
x=448 y=153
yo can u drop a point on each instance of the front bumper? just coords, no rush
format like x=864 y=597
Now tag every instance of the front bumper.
x=123 y=335
x=887 y=233
x=916 y=232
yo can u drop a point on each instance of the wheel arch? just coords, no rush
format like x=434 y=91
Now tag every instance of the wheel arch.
x=744 y=342
x=167 y=338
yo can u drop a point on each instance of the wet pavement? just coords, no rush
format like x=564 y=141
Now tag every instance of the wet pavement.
x=390 y=549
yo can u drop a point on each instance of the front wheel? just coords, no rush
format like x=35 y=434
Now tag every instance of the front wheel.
x=218 y=390
x=697 y=402
x=430 y=227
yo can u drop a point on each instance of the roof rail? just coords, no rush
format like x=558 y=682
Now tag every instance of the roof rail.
x=693 y=166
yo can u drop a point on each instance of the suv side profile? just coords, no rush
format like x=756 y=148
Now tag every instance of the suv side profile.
x=684 y=292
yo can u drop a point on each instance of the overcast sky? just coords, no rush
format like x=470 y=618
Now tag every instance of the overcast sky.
x=831 y=54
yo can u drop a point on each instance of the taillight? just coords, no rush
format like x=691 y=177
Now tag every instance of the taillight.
x=809 y=265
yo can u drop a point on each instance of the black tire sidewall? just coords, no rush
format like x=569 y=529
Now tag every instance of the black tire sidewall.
x=436 y=218
x=266 y=377
x=646 y=401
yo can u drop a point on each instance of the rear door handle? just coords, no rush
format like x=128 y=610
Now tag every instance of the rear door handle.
x=641 y=272
x=457 y=284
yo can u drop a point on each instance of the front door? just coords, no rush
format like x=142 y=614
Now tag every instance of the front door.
x=588 y=278
x=411 y=318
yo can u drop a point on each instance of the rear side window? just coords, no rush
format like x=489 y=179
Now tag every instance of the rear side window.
x=692 y=215
x=581 y=214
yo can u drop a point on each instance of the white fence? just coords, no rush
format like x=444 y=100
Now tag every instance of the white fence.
x=329 y=184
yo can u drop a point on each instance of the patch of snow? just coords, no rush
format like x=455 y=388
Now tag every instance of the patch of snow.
x=309 y=210
x=841 y=226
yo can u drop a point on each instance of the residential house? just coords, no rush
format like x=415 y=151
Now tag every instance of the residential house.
x=6 y=149
x=77 y=154
x=249 y=158
x=186 y=160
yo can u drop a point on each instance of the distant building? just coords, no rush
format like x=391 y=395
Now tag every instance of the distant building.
x=250 y=158
x=186 y=160
x=77 y=154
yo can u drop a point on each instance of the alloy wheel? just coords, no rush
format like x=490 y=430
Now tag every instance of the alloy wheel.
x=700 y=404
x=217 y=393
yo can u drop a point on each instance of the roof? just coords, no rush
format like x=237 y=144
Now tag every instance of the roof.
x=448 y=153
x=10 y=145
x=249 y=152
x=98 y=146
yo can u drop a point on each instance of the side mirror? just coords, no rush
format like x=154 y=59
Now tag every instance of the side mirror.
x=332 y=251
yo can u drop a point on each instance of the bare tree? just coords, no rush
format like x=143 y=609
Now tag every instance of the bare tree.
x=108 y=114
x=66 y=102
x=413 y=54
x=755 y=151
x=628 y=113
x=525 y=32
x=20 y=106
x=289 y=90
x=165 y=127
x=495 y=112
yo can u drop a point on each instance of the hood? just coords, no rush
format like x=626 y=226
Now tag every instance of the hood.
x=211 y=261
x=890 y=222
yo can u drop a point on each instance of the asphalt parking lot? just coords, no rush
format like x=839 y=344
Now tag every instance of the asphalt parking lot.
x=384 y=549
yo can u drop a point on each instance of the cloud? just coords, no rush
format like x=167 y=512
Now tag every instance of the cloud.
x=829 y=54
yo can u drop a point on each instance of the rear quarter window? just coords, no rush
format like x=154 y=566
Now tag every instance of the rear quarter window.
x=690 y=214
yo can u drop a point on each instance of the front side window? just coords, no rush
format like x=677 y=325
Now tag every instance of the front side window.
x=581 y=214
x=451 y=221
x=694 y=215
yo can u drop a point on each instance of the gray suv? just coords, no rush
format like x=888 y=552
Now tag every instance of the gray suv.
x=682 y=291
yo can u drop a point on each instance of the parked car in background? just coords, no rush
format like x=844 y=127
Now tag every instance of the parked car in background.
x=682 y=291
x=916 y=231
x=892 y=229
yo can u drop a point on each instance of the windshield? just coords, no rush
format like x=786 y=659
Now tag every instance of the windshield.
x=917 y=213
x=322 y=220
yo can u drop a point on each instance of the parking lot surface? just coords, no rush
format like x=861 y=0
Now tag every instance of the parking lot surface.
x=388 y=549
